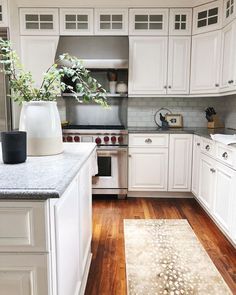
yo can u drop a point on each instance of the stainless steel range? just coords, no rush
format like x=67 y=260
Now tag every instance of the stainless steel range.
x=112 y=151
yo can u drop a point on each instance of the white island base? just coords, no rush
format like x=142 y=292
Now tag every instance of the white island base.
x=45 y=244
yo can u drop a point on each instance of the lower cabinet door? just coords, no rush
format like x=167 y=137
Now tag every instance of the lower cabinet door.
x=180 y=162
x=85 y=214
x=224 y=194
x=206 y=181
x=196 y=164
x=24 y=274
x=148 y=168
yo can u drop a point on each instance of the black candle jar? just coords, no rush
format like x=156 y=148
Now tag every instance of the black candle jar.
x=13 y=147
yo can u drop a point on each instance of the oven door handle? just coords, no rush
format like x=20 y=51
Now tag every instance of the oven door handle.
x=111 y=152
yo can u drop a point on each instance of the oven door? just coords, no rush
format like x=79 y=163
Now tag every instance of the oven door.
x=112 y=169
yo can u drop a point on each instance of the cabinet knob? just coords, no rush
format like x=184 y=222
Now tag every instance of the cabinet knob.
x=207 y=147
x=165 y=87
x=231 y=81
x=225 y=156
x=212 y=170
x=130 y=156
x=217 y=85
x=169 y=87
x=198 y=144
x=148 y=140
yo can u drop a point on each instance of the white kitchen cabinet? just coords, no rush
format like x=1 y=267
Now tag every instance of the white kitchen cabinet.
x=223 y=195
x=76 y=21
x=148 y=65
x=196 y=164
x=179 y=65
x=111 y=21
x=38 y=54
x=85 y=214
x=206 y=181
x=228 y=58
x=39 y=21
x=3 y=13
x=148 y=22
x=148 y=169
x=229 y=11
x=207 y=17
x=205 y=65
x=180 y=22
x=180 y=162
x=24 y=274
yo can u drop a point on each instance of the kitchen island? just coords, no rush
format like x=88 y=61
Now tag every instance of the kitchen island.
x=46 y=222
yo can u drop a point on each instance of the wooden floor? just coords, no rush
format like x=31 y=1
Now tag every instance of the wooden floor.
x=107 y=273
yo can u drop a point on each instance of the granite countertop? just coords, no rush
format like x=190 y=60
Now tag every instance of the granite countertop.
x=41 y=178
x=205 y=132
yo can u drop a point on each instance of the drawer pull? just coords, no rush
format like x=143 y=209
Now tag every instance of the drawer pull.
x=207 y=147
x=148 y=140
x=225 y=156
x=213 y=170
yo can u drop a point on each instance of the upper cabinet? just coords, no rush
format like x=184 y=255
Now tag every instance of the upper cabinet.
x=207 y=17
x=111 y=21
x=3 y=13
x=205 y=66
x=228 y=58
x=76 y=22
x=39 y=21
x=148 y=22
x=180 y=22
x=229 y=11
x=148 y=65
x=150 y=61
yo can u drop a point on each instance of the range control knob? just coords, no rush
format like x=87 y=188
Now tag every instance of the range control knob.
x=106 y=139
x=113 y=139
x=120 y=139
x=98 y=140
x=76 y=139
x=69 y=138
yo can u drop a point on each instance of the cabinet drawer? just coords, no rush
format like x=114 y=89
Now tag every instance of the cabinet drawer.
x=226 y=154
x=208 y=146
x=148 y=140
x=22 y=227
x=23 y=274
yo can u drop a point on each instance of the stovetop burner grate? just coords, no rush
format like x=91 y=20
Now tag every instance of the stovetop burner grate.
x=95 y=127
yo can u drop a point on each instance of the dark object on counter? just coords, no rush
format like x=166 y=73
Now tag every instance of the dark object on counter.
x=13 y=147
x=210 y=112
x=164 y=123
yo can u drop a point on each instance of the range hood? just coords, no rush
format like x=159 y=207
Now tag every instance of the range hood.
x=97 y=52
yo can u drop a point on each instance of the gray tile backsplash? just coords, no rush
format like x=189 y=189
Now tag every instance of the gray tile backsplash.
x=141 y=110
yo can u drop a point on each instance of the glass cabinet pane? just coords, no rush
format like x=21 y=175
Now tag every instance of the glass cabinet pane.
x=31 y=17
x=105 y=17
x=141 y=18
x=70 y=17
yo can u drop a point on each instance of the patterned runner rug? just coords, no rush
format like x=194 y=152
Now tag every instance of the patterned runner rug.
x=165 y=257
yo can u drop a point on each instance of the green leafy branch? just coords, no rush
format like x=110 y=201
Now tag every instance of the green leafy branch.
x=22 y=85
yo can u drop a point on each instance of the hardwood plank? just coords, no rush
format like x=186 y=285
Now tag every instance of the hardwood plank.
x=107 y=273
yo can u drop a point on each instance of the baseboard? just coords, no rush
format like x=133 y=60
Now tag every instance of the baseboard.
x=176 y=195
x=86 y=273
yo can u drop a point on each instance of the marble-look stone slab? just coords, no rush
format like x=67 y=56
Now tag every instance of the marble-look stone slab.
x=46 y=177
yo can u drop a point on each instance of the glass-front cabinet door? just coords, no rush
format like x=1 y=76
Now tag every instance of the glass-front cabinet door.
x=3 y=13
x=207 y=17
x=148 y=22
x=76 y=21
x=39 y=21
x=180 y=22
x=229 y=11
x=111 y=21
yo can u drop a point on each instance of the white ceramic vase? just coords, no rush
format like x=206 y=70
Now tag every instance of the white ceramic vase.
x=41 y=121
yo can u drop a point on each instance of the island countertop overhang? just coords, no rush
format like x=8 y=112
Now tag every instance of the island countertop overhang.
x=41 y=178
